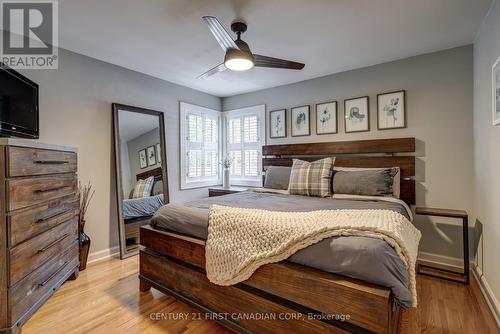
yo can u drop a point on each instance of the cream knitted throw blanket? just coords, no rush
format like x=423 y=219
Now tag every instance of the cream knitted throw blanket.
x=241 y=240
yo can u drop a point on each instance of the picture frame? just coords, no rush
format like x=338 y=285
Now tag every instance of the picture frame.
x=357 y=114
x=391 y=110
x=301 y=121
x=158 y=153
x=326 y=118
x=151 y=154
x=495 y=84
x=277 y=123
x=143 y=159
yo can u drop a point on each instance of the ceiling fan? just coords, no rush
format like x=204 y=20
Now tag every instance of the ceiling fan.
x=238 y=55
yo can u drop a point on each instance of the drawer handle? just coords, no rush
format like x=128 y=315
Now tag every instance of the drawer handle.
x=48 y=279
x=44 y=219
x=41 y=191
x=51 y=162
x=53 y=243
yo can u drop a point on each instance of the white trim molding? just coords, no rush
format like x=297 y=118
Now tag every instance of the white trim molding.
x=103 y=254
x=488 y=294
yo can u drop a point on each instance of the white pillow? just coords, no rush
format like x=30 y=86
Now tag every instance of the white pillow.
x=396 y=186
x=143 y=188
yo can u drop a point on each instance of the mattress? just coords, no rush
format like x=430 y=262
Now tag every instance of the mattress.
x=368 y=259
x=141 y=207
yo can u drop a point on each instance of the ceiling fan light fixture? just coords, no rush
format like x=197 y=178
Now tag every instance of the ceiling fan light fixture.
x=239 y=64
x=237 y=60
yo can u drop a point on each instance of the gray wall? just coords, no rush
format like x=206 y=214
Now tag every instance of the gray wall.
x=487 y=150
x=75 y=109
x=439 y=114
x=134 y=146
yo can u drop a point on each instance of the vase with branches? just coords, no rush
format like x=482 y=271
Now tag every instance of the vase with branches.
x=226 y=164
x=85 y=195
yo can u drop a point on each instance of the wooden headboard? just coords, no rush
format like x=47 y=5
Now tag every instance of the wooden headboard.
x=357 y=153
x=157 y=173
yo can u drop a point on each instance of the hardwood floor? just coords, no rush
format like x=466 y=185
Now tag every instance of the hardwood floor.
x=106 y=299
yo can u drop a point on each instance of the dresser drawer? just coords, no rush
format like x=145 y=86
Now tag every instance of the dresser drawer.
x=29 y=255
x=31 y=191
x=28 y=223
x=23 y=161
x=41 y=282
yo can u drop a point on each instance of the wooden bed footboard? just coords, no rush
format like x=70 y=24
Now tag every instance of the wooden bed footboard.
x=278 y=298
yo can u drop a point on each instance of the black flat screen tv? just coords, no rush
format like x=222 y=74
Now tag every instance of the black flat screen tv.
x=18 y=105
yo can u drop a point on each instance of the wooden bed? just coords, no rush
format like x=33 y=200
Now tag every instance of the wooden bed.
x=295 y=298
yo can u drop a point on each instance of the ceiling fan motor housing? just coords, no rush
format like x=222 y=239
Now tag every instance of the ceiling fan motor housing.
x=243 y=52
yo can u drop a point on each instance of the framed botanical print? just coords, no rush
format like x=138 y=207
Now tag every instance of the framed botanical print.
x=151 y=155
x=158 y=153
x=143 y=160
x=391 y=110
x=496 y=91
x=326 y=118
x=356 y=114
x=301 y=124
x=277 y=123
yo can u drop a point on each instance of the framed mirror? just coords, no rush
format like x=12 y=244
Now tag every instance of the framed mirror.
x=141 y=171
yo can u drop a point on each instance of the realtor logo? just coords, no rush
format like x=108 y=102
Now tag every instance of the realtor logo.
x=29 y=34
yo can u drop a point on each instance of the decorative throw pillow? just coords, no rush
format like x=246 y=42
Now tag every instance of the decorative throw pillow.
x=157 y=188
x=277 y=177
x=365 y=182
x=396 y=186
x=143 y=188
x=311 y=178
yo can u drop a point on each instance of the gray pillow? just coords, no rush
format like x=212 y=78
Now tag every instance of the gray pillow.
x=365 y=182
x=277 y=177
x=157 y=188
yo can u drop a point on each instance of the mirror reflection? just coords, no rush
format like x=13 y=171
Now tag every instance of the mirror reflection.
x=141 y=185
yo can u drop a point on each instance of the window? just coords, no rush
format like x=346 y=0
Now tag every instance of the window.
x=244 y=139
x=200 y=146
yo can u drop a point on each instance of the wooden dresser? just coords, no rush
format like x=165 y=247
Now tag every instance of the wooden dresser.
x=38 y=226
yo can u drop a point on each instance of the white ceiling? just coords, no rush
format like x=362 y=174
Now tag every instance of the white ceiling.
x=168 y=39
x=133 y=124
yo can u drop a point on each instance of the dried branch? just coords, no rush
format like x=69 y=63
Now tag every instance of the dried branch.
x=85 y=193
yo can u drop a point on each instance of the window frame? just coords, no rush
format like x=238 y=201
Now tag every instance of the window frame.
x=260 y=111
x=185 y=110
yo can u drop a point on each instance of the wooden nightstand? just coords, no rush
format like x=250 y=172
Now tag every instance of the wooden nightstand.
x=219 y=191
x=440 y=272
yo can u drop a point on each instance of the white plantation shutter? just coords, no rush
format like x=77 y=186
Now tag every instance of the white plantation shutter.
x=237 y=165
x=234 y=131
x=194 y=163
x=200 y=146
x=251 y=163
x=245 y=137
x=251 y=128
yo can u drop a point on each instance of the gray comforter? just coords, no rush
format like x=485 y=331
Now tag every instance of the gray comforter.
x=368 y=259
x=141 y=207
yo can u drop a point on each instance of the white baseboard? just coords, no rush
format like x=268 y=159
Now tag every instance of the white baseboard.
x=103 y=254
x=441 y=259
x=488 y=294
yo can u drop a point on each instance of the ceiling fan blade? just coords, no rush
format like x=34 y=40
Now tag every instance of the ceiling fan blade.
x=210 y=72
x=220 y=34
x=264 y=61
